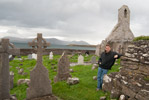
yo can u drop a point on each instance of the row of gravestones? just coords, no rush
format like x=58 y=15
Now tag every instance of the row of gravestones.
x=80 y=58
x=39 y=76
x=34 y=56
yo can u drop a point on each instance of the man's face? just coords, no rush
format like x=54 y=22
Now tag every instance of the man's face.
x=107 y=49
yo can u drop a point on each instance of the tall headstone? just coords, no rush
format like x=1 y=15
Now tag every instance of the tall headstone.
x=63 y=72
x=4 y=67
x=40 y=85
x=51 y=55
x=80 y=60
x=93 y=60
x=122 y=31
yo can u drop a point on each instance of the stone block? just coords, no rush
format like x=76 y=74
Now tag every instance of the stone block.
x=72 y=81
x=103 y=98
x=94 y=77
x=115 y=94
x=127 y=91
x=143 y=95
x=122 y=97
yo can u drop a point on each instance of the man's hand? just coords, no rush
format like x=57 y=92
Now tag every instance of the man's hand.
x=115 y=56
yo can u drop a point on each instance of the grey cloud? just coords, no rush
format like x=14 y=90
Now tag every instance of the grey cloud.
x=78 y=19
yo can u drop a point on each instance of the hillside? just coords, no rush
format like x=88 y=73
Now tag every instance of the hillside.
x=51 y=40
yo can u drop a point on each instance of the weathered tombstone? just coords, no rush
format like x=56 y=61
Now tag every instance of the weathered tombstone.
x=93 y=60
x=11 y=79
x=40 y=85
x=63 y=69
x=80 y=60
x=30 y=56
x=34 y=56
x=4 y=67
x=51 y=55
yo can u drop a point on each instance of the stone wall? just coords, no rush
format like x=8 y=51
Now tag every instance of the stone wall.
x=117 y=46
x=56 y=51
x=120 y=47
x=133 y=78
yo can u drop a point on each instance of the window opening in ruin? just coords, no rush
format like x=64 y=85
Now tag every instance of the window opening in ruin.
x=125 y=13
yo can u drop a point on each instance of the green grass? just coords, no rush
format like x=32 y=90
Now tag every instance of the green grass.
x=85 y=90
x=141 y=38
x=146 y=78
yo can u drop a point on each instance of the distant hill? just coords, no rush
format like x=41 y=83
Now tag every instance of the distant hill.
x=51 y=40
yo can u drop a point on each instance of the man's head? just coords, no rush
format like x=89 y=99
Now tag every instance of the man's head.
x=107 y=48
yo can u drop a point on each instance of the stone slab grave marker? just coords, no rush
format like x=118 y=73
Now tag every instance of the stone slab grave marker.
x=93 y=60
x=30 y=56
x=63 y=72
x=5 y=51
x=80 y=60
x=51 y=55
x=34 y=56
x=40 y=85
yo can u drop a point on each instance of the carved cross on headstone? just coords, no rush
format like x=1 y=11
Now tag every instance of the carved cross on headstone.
x=40 y=43
x=39 y=77
x=5 y=51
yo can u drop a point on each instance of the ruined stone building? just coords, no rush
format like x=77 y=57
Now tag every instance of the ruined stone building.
x=121 y=33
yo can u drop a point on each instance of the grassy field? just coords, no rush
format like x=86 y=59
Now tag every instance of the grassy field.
x=85 y=90
x=141 y=38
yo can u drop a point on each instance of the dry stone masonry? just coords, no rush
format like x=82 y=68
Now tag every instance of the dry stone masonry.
x=133 y=78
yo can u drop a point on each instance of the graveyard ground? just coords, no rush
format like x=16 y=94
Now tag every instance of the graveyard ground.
x=85 y=90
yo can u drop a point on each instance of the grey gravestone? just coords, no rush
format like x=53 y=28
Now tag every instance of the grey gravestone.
x=40 y=85
x=51 y=55
x=93 y=61
x=4 y=67
x=80 y=60
x=11 y=79
x=30 y=56
x=63 y=68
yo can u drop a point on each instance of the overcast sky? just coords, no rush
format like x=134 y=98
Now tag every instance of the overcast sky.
x=87 y=20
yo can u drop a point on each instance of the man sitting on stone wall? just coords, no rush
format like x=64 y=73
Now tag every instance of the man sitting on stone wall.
x=106 y=61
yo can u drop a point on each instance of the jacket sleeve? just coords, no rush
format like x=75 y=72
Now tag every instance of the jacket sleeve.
x=119 y=55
